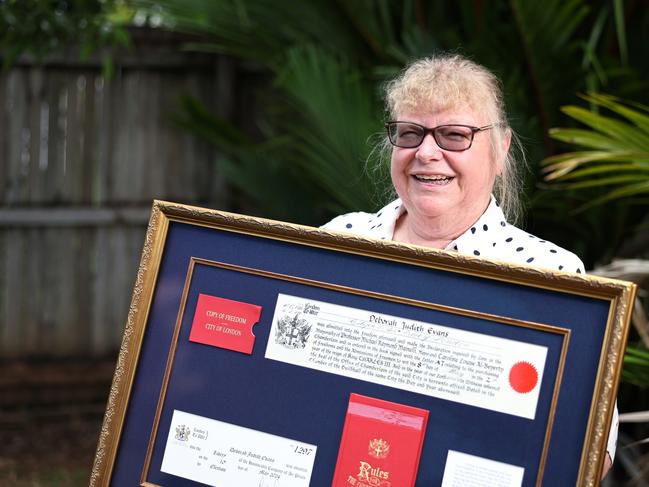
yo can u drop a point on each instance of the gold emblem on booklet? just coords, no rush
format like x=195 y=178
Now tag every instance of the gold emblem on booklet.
x=378 y=448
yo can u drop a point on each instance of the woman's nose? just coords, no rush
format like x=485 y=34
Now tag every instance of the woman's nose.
x=428 y=150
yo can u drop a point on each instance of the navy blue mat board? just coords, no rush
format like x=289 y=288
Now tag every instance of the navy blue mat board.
x=254 y=261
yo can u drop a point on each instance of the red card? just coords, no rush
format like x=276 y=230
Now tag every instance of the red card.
x=381 y=444
x=224 y=323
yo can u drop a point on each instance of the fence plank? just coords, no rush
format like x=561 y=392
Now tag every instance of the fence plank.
x=101 y=340
x=4 y=129
x=17 y=318
x=81 y=158
x=16 y=137
x=50 y=285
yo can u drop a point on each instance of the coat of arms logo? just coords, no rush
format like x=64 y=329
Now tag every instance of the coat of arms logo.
x=182 y=432
x=378 y=448
x=292 y=332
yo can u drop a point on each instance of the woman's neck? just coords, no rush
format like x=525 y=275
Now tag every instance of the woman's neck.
x=407 y=231
x=436 y=232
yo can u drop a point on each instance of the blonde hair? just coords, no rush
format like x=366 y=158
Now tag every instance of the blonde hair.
x=451 y=81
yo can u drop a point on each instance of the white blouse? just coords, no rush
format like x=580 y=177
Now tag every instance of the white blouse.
x=490 y=237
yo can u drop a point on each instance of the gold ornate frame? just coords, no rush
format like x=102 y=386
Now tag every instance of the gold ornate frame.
x=619 y=294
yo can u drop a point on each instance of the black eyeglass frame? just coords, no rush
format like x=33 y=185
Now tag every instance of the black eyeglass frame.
x=433 y=131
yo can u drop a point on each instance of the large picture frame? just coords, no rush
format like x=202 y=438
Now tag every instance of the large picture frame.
x=555 y=436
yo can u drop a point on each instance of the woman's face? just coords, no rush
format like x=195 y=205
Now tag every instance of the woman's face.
x=434 y=182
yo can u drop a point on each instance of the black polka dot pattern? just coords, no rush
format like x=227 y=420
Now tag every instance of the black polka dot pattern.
x=505 y=242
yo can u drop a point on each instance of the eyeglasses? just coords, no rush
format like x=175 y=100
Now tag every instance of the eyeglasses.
x=409 y=135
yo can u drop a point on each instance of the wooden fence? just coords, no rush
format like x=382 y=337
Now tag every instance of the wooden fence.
x=81 y=159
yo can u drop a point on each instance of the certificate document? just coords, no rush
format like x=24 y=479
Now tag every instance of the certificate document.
x=464 y=470
x=223 y=455
x=470 y=368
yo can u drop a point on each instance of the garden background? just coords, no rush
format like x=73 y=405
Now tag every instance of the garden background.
x=272 y=108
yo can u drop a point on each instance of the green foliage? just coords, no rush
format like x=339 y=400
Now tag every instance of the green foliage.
x=42 y=27
x=323 y=110
x=318 y=118
x=636 y=366
x=618 y=159
x=316 y=122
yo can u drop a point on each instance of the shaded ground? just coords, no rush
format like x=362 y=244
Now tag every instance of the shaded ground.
x=50 y=417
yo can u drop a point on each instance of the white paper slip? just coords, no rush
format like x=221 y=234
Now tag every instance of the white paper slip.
x=464 y=470
x=470 y=368
x=224 y=455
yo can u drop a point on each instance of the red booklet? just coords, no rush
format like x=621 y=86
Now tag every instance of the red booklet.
x=381 y=444
x=224 y=323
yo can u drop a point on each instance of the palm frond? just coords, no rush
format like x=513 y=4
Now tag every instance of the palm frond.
x=618 y=130
x=564 y=166
x=636 y=366
x=545 y=32
x=586 y=138
x=639 y=115
x=621 y=161
x=337 y=114
x=604 y=169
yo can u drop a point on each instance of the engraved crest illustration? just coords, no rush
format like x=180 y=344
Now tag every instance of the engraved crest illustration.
x=378 y=448
x=182 y=432
x=292 y=332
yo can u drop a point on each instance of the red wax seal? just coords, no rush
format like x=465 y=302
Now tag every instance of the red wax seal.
x=523 y=377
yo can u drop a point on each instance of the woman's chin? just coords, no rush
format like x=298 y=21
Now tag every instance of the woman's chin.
x=430 y=209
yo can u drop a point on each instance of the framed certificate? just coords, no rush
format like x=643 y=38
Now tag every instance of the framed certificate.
x=261 y=353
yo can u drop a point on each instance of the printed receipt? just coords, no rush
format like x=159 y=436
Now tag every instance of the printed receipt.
x=222 y=454
x=470 y=368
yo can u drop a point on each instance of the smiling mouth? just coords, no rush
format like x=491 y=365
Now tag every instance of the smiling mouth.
x=434 y=179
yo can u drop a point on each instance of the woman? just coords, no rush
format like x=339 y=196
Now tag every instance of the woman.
x=455 y=174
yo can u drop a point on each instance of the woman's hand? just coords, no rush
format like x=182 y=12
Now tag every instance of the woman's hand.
x=608 y=463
